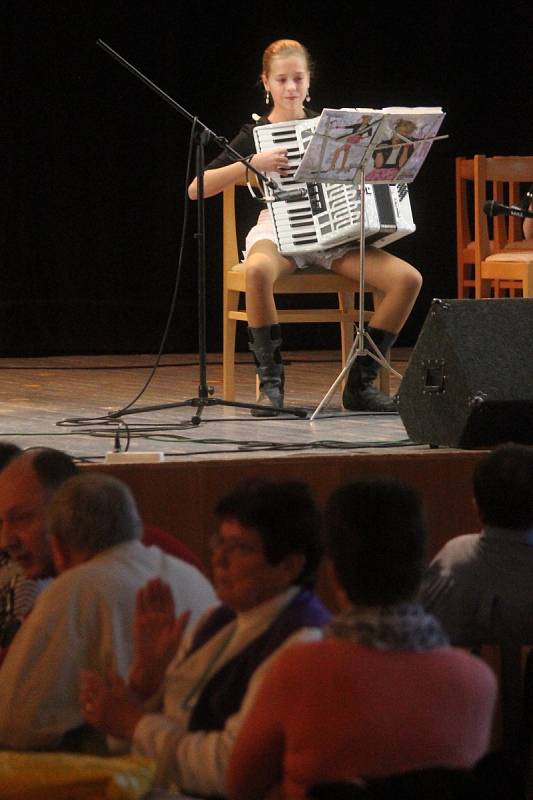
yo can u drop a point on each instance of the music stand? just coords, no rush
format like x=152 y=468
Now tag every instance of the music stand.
x=202 y=137
x=358 y=348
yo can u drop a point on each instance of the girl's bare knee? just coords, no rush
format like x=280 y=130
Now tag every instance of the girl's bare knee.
x=258 y=272
x=410 y=281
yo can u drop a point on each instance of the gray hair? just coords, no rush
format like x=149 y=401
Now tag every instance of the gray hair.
x=93 y=512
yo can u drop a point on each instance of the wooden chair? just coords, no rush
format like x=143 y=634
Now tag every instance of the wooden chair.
x=312 y=281
x=464 y=182
x=491 y=778
x=512 y=730
x=503 y=234
x=507 y=264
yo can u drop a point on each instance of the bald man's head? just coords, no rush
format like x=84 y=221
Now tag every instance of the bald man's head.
x=27 y=485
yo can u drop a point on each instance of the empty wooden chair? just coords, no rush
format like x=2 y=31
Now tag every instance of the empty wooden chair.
x=495 y=238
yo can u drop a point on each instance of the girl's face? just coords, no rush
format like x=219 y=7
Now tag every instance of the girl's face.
x=288 y=83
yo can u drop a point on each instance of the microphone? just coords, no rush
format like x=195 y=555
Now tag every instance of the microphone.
x=289 y=194
x=493 y=209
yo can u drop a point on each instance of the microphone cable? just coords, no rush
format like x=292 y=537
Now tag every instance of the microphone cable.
x=115 y=415
x=174 y=298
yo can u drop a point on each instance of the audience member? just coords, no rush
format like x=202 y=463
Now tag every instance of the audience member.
x=8 y=451
x=264 y=559
x=480 y=583
x=26 y=564
x=28 y=482
x=84 y=618
x=383 y=693
x=12 y=603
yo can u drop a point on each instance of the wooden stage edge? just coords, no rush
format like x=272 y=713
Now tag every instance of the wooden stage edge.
x=180 y=496
x=202 y=463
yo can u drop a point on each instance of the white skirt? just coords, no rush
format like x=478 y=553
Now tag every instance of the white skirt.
x=316 y=258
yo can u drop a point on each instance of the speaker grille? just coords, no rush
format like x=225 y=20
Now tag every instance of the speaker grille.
x=469 y=381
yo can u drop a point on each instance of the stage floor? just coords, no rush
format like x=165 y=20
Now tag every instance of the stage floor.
x=64 y=402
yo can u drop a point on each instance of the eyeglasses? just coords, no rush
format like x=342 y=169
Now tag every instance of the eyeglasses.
x=22 y=515
x=232 y=546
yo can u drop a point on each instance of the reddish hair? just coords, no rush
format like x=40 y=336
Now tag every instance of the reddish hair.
x=282 y=48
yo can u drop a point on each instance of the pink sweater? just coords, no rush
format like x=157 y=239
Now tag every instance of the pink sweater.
x=335 y=710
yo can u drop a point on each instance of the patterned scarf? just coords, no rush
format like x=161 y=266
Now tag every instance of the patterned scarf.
x=405 y=626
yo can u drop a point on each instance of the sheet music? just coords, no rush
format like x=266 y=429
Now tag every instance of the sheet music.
x=389 y=144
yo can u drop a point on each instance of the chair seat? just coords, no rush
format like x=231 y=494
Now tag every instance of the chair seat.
x=322 y=281
x=511 y=255
x=505 y=268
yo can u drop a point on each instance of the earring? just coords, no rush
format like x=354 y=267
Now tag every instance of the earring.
x=267 y=97
x=308 y=97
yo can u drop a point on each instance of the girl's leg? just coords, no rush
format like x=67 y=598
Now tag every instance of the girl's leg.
x=264 y=264
x=399 y=284
x=397 y=280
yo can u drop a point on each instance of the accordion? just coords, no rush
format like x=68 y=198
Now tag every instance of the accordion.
x=328 y=214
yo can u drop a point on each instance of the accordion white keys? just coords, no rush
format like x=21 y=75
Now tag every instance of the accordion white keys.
x=328 y=214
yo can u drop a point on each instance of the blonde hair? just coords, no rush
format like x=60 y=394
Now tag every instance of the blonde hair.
x=282 y=48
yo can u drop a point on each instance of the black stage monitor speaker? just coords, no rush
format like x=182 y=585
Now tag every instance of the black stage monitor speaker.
x=469 y=381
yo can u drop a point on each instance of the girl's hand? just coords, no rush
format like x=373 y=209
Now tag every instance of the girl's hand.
x=274 y=160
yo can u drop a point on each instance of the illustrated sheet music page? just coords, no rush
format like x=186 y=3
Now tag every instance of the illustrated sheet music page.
x=391 y=144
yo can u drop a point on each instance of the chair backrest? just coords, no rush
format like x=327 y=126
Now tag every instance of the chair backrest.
x=512 y=731
x=230 y=255
x=501 y=178
x=230 y=249
x=464 y=225
x=492 y=778
x=477 y=180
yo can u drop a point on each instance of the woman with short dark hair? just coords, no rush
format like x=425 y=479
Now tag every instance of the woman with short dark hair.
x=264 y=556
x=383 y=693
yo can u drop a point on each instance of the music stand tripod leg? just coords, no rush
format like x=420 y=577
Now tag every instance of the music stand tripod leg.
x=361 y=335
x=331 y=391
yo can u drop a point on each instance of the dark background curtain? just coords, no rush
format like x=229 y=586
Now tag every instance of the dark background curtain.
x=94 y=163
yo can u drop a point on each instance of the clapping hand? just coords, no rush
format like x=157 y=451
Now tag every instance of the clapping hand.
x=109 y=706
x=157 y=634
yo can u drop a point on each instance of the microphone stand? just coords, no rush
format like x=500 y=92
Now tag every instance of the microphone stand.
x=202 y=137
x=494 y=209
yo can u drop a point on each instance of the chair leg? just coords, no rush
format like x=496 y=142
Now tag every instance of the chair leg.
x=231 y=303
x=527 y=281
x=484 y=286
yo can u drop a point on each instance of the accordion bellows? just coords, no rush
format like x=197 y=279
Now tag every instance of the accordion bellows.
x=328 y=214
